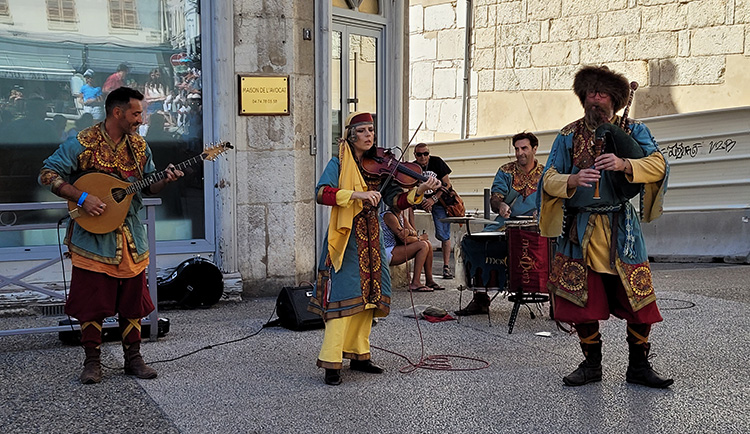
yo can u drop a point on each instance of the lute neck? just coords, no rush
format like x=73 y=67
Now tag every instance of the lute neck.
x=158 y=176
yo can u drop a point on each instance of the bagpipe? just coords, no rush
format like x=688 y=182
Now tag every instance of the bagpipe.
x=616 y=139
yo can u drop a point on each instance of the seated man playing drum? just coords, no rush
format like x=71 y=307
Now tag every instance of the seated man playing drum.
x=514 y=192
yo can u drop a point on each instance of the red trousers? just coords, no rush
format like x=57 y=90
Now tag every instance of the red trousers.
x=606 y=297
x=95 y=296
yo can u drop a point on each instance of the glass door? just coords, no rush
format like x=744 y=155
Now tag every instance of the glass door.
x=355 y=82
x=356 y=70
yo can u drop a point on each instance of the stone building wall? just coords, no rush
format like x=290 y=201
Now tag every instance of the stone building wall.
x=275 y=171
x=687 y=56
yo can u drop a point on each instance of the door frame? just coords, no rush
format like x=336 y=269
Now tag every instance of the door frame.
x=346 y=31
x=391 y=70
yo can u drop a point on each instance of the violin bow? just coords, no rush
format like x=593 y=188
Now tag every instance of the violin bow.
x=403 y=152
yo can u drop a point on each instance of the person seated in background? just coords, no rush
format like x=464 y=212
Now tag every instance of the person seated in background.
x=402 y=243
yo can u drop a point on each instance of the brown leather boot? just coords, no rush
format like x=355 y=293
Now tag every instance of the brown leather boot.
x=479 y=305
x=92 y=366
x=134 y=364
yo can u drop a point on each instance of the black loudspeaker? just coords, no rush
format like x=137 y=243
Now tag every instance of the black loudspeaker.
x=196 y=282
x=291 y=307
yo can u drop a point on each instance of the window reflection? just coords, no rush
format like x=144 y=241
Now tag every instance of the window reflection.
x=55 y=74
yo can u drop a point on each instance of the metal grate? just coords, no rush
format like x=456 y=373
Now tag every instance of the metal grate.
x=51 y=309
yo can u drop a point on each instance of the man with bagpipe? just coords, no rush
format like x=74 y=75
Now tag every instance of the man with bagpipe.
x=596 y=165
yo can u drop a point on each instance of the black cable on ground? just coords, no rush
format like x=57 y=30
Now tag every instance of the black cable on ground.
x=268 y=323
x=688 y=304
x=436 y=362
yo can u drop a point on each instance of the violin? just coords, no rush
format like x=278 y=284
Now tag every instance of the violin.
x=384 y=164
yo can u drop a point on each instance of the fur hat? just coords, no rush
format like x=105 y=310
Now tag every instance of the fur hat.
x=602 y=79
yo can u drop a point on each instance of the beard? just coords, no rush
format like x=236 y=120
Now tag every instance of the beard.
x=595 y=115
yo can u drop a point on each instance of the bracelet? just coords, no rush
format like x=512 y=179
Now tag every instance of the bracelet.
x=82 y=198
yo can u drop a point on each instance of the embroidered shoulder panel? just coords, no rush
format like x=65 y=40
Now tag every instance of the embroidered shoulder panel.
x=509 y=167
x=524 y=183
x=102 y=155
x=570 y=128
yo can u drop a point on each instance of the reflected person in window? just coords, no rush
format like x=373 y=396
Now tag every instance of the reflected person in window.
x=91 y=97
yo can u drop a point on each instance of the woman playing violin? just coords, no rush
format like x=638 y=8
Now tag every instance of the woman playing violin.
x=353 y=283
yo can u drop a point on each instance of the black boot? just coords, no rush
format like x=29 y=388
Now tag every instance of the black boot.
x=640 y=370
x=333 y=377
x=590 y=370
x=479 y=305
x=365 y=366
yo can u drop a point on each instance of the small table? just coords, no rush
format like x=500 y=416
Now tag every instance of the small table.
x=466 y=220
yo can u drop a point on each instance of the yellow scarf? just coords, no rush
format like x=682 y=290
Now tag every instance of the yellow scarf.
x=340 y=225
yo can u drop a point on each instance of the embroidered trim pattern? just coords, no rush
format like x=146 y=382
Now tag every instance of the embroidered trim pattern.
x=367 y=231
x=524 y=183
x=569 y=279
x=584 y=148
x=639 y=279
x=102 y=155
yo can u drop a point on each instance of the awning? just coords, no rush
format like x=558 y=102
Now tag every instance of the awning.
x=35 y=62
x=106 y=59
x=57 y=61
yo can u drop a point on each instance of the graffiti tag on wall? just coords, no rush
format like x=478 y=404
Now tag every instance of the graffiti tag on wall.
x=681 y=150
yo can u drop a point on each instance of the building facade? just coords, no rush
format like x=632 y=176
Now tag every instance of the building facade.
x=252 y=211
x=687 y=56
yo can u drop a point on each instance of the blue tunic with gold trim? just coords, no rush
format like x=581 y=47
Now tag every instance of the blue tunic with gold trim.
x=516 y=188
x=364 y=280
x=572 y=151
x=93 y=151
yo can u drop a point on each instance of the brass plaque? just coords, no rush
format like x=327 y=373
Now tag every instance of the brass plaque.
x=264 y=95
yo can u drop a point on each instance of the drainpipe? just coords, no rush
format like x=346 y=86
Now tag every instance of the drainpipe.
x=467 y=73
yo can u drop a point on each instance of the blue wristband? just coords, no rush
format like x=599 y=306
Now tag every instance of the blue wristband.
x=82 y=198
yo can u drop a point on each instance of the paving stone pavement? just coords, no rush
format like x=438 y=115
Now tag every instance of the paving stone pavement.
x=269 y=383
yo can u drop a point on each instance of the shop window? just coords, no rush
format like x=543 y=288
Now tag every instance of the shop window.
x=43 y=102
x=122 y=14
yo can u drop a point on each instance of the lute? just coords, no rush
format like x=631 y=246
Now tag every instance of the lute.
x=117 y=194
